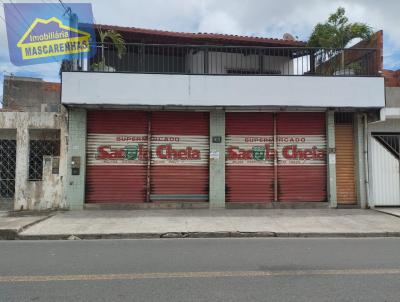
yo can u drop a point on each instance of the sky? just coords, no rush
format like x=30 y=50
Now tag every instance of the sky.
x=266 y=18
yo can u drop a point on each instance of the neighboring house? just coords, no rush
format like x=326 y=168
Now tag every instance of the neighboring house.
x=31 y=94
x=210 y=120
x=32 y=145
x=384 y=147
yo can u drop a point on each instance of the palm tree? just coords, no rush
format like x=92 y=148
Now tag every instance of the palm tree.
x=336 y=33
x=118 y=42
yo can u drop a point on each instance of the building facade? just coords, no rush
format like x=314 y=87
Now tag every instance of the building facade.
x=33 y=133
x=384 y=147
x=206 y=120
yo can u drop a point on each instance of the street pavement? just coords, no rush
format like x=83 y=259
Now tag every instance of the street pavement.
x=234 y=269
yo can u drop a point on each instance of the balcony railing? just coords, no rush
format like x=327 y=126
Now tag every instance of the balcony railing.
x=229 y=60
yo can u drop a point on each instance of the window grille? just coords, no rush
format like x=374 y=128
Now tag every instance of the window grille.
x=7 y=168
x=244 y=71
x=344 y=117
x=38 y=149
x=391 y=141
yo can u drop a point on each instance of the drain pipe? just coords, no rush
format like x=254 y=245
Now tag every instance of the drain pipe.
x=365 y=117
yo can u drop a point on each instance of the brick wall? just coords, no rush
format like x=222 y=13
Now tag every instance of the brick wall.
x=372 y=60
x=392 y=78
x=29 y=94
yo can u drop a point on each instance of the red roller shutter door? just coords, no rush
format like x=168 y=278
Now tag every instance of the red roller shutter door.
x=116 y=156
x=179 y=158
x=249 y=157
x=301 y=140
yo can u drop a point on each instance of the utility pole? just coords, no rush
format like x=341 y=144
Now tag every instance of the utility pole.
x=73 y=23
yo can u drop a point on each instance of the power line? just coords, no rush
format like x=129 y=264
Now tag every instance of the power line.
x=62 y=4
x=21 y=15
x=54 y=5
x=67 y=8
x=24 y=21
x=7 y=26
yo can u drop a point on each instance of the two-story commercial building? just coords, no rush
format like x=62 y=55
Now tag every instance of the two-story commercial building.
x=211 y=120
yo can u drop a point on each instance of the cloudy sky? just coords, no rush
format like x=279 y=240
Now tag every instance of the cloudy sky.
x=268 y=18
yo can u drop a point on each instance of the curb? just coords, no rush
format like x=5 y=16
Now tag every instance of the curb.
x=13 y=234
x=174 y=235
x=8 y=234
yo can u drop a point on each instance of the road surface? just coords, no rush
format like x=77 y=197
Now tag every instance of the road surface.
x=273 y=269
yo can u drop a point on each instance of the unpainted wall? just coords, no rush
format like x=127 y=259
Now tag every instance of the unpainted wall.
x=392 y=97
x=48 y=193
x=30 y=94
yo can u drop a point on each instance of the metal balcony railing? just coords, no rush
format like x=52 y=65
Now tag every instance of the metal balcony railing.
x=229 y=60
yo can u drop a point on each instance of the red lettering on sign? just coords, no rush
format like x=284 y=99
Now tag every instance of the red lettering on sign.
x=289 y=152
x=142 y=152
x=235 y=153
x=293 y=152
x=267 y=151
x=167 y=152
x=107 y=152
x=256 y=153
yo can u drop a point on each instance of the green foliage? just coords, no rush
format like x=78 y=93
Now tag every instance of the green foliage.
x=101 y=66
x=337 y=32
x=119 y=43
x=116 y=39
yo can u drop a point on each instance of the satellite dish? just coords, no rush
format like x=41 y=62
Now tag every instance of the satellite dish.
x=287 y=36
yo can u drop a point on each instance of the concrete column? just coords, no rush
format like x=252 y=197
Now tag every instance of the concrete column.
x=360 y=161
x=21 y=169
x=217 y=159
x=331 y=158
x=75 y=185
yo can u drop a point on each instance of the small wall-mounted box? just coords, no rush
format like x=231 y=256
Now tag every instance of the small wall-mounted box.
x=75 y=165
x=216 y=139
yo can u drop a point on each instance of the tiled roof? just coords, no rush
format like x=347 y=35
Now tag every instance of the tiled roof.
x=204 y=37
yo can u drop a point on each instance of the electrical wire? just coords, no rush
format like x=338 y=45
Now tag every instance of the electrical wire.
x=67 y=8
x=7 y=26
x=62 y=4
x=54 y=5
x=24 y=21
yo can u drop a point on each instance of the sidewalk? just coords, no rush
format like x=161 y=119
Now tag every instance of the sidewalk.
x=214 y=223
x=10 y=227
x=392 y=211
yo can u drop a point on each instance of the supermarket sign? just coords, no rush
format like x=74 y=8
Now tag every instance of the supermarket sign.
x=132 y=149
x=49 y=32
x=260 y=151
x=171 y=150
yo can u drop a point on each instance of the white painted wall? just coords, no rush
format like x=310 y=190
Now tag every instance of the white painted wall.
x=384 y=181
x=385 y=188
x=198 y=90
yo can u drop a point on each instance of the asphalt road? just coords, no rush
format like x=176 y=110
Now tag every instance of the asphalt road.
x=185 y=270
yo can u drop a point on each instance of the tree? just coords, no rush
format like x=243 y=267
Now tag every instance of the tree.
x=118 y=42
x=334 y=35
x=337 y=32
